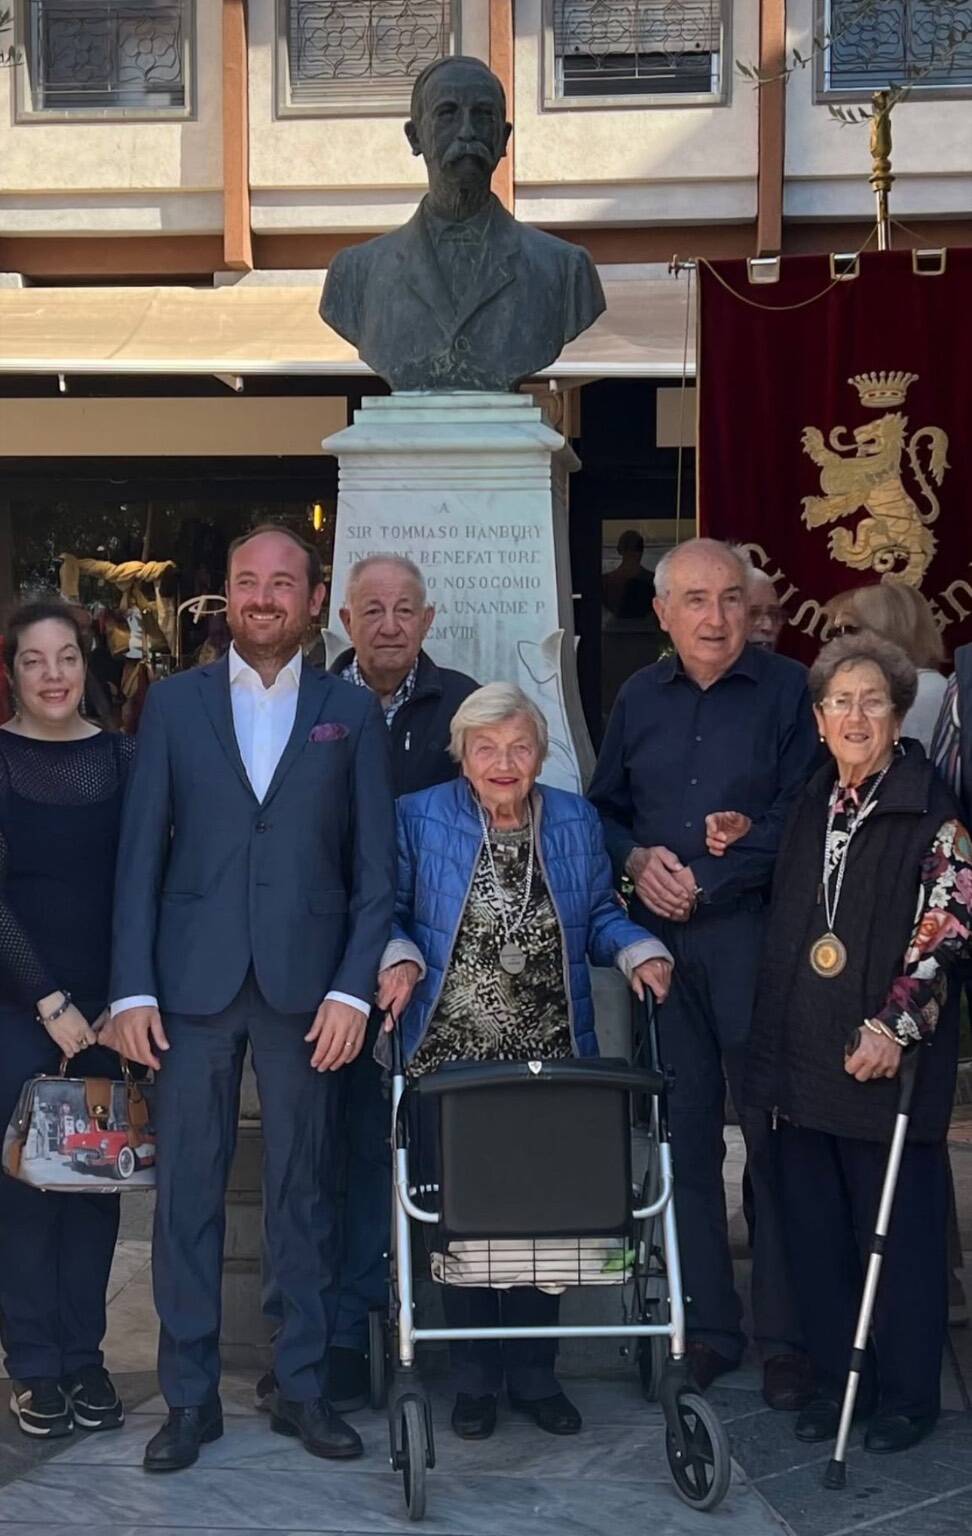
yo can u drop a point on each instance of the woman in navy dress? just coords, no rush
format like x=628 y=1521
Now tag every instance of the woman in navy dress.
x=61 y=783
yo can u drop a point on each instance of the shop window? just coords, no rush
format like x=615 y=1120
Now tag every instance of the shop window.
x=350 y=56
x=871 y=44
x=109 y=56
x=610 y=52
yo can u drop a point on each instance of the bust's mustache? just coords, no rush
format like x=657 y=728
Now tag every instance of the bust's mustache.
x=468 y=149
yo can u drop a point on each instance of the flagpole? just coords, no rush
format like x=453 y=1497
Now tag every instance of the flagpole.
x=881 y=177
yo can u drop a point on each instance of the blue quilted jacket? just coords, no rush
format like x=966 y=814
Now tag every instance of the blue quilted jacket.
x=439 y=843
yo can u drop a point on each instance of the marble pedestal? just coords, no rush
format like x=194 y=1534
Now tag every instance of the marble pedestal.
x=473 y=488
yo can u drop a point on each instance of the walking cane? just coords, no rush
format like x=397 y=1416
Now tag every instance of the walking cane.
x=836 y=1473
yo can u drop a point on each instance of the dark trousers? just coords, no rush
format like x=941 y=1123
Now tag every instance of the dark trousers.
x=55 y=1250
x=480 y=1365
x=197 y=1108
x=366 y=1211
x=831 y=1188
x=704 y=1029
x=361 y=1263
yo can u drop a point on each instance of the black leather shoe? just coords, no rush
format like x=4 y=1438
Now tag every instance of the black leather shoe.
x=820 y=1419
x=890 y=1432
x=264 y=1392
x=557 y=1414
x=177 y=1443
x=348 y=1379
x=706 y=1364
x=474 y=1418
x=318 y=1427
x=788 y=1383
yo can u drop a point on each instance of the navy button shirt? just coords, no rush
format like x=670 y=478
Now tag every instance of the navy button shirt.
x=674 y=752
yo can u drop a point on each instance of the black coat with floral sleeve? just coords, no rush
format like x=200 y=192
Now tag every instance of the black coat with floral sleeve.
x=802 y=1021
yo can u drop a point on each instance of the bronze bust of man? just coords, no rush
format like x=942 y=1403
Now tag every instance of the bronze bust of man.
x=462 y=297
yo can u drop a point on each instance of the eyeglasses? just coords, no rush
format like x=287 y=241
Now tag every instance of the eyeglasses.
x=837 y=631
x=842 y=704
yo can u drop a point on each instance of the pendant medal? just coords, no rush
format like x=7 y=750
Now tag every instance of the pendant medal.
x=512 y=958
x=828 y=956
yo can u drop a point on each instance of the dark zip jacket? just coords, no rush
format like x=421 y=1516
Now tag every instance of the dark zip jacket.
x=419 y=733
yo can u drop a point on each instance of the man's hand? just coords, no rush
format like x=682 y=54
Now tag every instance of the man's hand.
x=656 y=975
x=876 y=1056
x=338 y=1031
x=396 y=983
x=723 y=828
x=663 y=882
x=133 y=1033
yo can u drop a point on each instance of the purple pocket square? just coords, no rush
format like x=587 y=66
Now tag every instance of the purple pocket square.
x=329 y=730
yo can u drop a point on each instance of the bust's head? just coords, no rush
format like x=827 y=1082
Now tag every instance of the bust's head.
x=458 y=124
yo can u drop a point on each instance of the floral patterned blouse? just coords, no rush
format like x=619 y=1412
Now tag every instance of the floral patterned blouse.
x=943 y=920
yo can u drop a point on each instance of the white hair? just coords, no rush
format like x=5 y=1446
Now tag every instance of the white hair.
x=754 y=572
x=712 y=547
x=491 y=705
x=408 y=567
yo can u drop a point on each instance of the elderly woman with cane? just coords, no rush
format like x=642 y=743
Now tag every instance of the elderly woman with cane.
x=504 y=891
x=870 y=909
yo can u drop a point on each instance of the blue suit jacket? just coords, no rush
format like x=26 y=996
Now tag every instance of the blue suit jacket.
x=211 y=881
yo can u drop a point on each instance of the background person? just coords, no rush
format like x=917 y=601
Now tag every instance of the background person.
x=717 y=738
x=61 y=784
x=254 y=897
x=504 y=886
x=899 y=613
x=877 y=833
x=766 y=612
x=387 y=616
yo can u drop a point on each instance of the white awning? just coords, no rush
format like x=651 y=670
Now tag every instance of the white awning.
x=268 y=329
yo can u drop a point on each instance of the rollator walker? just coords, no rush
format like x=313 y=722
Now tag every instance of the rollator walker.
x=533 y=1185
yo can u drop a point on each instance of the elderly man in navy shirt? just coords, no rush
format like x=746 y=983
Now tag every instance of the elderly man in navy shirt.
x=702 y=757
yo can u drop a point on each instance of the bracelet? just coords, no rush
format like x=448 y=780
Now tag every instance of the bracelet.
x=51 y=1018
x=877 y=1028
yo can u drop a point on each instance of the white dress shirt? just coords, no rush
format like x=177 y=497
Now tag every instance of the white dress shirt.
x=263 y=722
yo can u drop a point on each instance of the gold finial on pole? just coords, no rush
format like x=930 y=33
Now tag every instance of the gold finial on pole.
x=881 y=177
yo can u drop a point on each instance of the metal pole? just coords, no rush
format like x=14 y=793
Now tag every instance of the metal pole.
x=881 y=177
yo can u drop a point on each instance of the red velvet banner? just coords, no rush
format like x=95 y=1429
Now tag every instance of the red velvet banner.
x=835 y=430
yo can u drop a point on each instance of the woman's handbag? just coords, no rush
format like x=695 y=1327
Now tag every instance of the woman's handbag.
x=83 y=1135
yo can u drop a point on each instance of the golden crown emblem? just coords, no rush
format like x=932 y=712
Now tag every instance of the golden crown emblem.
x=880 y=390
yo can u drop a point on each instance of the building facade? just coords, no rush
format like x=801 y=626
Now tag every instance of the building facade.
x=176 y=176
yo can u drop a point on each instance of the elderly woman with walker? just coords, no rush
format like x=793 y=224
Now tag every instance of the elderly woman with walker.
x=870 y=910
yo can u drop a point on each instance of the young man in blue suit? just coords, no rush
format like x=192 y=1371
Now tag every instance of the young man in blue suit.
x=254 y=897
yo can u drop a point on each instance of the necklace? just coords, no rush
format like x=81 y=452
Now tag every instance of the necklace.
x=512 y=957
x=828 y=955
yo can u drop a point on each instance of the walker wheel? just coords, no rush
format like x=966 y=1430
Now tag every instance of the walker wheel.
x=414 y=1456
x=653 y=1353
x=702 y=1472
x=377 y=1359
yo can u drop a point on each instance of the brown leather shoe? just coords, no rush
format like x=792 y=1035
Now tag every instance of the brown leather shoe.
x=788 y=1383
x=706 y=1364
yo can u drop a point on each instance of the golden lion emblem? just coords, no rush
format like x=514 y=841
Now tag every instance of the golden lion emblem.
x=865 y=472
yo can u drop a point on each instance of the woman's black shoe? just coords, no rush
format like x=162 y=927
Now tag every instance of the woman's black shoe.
x=474 y=1418
x=557 y=1414
x=890 y=1432
x=41 y=1409
x=177 y=1443
x=318 y=1428
x=93 y=1398
x=820 y=1420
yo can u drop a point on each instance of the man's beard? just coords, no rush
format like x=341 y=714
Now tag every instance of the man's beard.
x=457 y=196
x=252 y=646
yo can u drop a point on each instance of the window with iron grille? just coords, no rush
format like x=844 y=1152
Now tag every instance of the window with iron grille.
x=636 y=48
x=361 y=55
x=107 y=55
x=871 y=44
